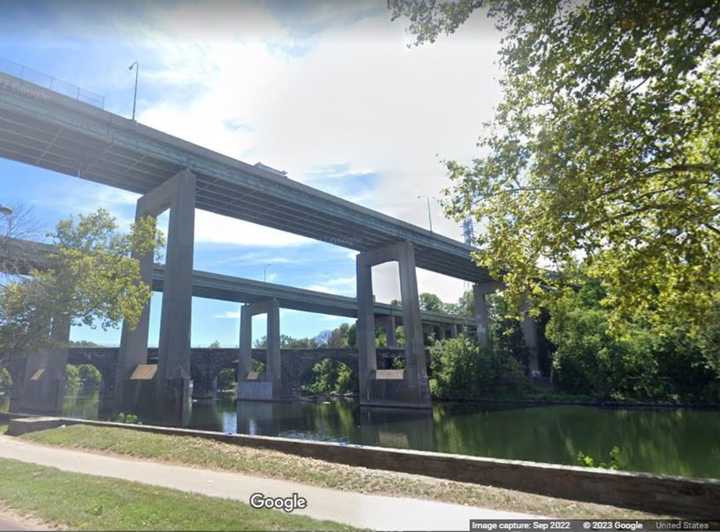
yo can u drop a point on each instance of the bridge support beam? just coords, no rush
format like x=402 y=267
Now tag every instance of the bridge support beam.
x=40 y=388
x=529 y=328
x=482 y=317
x=389 y=324
x=408 y=387
x=269 y=385
x=172 y=381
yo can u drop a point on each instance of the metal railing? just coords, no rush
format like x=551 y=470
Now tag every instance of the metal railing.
x=49 y=82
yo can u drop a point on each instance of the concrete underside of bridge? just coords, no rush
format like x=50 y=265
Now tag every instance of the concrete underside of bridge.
x=48 y=130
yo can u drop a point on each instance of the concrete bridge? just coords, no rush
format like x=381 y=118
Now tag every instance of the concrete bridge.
x=205 y=366
x=46 y=129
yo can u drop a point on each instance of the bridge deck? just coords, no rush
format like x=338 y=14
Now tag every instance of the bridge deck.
x=28 y=254
x=49 y=130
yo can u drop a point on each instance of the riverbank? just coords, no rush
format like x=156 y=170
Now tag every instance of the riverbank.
x=85 y=502
x=220 y=456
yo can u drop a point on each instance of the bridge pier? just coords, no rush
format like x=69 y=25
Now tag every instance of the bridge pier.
x=408 y=387
x=269 y=385
x=171 y=384
x=40 y=387
x=529 y=329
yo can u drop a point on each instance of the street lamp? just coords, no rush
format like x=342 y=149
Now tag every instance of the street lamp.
x=136 y=66
x=428 y=206
x=7 y=211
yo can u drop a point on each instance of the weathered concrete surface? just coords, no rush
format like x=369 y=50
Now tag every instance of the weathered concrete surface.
x=73 y=138
x=413 y=389
x=269 y=385
x=18 y=426
x=356 y=509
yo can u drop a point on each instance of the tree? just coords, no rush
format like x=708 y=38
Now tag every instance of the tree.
x=603 y=157
x=91 y=280
x=431 y=302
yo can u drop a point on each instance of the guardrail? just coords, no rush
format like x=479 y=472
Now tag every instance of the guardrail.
x=49 y=82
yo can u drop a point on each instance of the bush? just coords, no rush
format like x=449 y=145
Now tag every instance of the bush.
x=615 y=462
x=461 y=369
x=82 y=378
x=5 y=380
x=226 y=379
x=330 y=376
x=129 y=418
x=637 y=363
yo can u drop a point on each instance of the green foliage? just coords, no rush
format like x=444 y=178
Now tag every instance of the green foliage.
x=226 y=379
x=330 y=376
x=91 y=280
x=636 y=365
x=5 y=380
x=604 y=151
x=288 y=342
x=82 y=378
x=431 y=302
x=342 y=336
x=129 y=418
x=588 y=461
x=461 y=369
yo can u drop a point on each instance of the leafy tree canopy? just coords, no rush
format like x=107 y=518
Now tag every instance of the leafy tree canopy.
x=603 y=157
x=91 y=280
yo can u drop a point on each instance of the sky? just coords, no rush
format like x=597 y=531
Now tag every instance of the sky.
x=330 y=92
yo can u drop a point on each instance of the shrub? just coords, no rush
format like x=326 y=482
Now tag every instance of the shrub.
x=332 y=376
x=461 y=369
x=5 y=379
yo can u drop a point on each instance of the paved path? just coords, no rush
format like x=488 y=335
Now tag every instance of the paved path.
x=7 y=523
x=360 y=510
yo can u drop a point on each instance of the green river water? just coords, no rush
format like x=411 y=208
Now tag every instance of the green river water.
x=668 y=441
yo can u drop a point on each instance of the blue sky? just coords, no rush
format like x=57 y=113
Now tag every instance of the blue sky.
x=329 y=92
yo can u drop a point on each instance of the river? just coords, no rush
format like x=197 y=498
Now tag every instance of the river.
x=678 y=441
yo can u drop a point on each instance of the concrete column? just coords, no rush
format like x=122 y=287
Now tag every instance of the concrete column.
x=389 y=325
x=367 y=355
x=415 y=360
x=408 y=387
x=482 y=320
x=529 y=329
x=133 y=342
x=441 y=332
x=269 y=386
x=453 y=330
x=481 y=315
x=172 y=381
x=43 y=386
x=245 y=355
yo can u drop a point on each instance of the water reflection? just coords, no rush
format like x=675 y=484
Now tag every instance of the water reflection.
x=676 y=442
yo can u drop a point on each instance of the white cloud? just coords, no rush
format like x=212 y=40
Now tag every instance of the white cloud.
x=338 y=285
x=216 y=229
x=228 y=315
x=355 y=100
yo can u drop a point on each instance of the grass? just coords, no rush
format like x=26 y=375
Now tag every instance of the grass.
x=3 y=428
x=209 y=454
x=77 y=501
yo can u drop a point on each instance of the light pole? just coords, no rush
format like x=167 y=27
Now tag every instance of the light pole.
x=265 y=272
x=428 y=206
x=136 y=66
x=7 y=211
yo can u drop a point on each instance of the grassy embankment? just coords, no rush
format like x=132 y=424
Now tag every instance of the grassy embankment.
x=272 y=464
x=77 y=501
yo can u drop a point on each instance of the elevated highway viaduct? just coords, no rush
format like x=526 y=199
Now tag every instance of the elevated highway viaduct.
x=52 y=131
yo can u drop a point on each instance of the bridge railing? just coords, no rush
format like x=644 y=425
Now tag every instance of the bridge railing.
x=49 y=82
